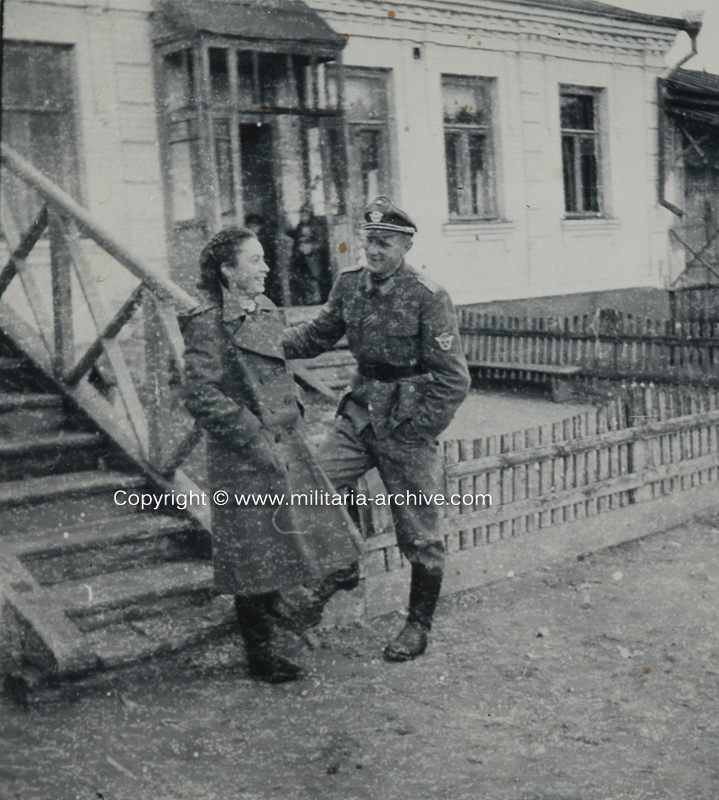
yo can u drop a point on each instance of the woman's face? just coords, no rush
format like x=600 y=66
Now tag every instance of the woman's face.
x=246 y=275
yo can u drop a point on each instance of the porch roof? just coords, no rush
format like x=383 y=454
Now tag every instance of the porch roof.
x=268 y=20
x=693 y=94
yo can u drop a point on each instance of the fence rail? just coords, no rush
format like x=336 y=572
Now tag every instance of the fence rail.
x=651 y=442
x=607 y=345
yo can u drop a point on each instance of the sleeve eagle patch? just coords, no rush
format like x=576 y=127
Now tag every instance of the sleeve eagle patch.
x=444 y=341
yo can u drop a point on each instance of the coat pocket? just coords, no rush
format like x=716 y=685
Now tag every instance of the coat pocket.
x=408 y=398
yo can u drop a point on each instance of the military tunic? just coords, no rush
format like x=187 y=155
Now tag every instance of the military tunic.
x=412 y=376
x=238 y=387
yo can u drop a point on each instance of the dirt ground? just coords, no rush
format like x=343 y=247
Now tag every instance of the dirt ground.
x=595 y=680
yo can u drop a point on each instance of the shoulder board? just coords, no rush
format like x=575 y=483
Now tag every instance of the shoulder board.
x=427 y=283
x=351 y=268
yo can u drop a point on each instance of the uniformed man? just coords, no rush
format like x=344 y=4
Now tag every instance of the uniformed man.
x=411 y=377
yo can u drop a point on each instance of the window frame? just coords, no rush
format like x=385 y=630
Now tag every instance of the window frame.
x=210 y=113
x=381 y=126
x=72 y=177
x=465 y=130
x=578 y=136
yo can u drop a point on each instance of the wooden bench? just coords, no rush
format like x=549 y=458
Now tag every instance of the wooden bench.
x=558 y=376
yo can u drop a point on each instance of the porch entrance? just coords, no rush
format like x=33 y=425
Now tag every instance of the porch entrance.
x=252 y=134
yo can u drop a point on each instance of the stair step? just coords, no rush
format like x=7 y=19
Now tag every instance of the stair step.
x=97 y=534
x=106 y=545
x=16 y=374
x=22 y=413
x=130 y=642
x=49 y=441
x=49 y=453
x=65 y=499
x=128 y=588
x=10 y=401
x=12 y=363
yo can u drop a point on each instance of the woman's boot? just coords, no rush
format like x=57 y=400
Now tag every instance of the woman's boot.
x=262 y=662
x=301 y=608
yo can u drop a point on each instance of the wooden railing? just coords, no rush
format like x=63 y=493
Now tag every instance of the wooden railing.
x=143 y=414
x=608 y=345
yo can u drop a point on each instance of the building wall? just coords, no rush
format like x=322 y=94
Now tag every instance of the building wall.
x=118 y=143
x=532 y=250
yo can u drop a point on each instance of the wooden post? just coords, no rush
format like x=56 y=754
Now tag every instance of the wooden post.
x=61 y=266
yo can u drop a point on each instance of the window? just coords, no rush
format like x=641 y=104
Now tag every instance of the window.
x=367 y=113
x=579 y=112
x=471 y=184
x=38 y=105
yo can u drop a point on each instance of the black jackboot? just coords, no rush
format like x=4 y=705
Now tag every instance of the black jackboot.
x=262 y=663
x=423 y=595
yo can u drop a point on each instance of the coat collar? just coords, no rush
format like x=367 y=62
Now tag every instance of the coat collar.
x=257 y=331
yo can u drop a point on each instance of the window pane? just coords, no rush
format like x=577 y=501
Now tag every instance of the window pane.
x=369 y=146
x=365 y=99
x=23 y=201
x=300 y=75
x=277 y=88
x=577 y=111
x=16 y=76
x=478 y=175
x=334 y=154
x=245 y=80
x=179 y=80
x=181 y=183
x=568 y=171
x=331 y=85
x=219 y=75
x=223 y=160
x=465 y=102
x=452 y=145
x=50 y=79
x=588 y=173
x=38 y=118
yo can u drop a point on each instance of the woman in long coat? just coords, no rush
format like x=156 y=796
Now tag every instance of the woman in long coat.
x=241 y=391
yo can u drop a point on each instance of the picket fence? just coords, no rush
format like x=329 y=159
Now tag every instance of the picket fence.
x=645 y=446
x=606 y=345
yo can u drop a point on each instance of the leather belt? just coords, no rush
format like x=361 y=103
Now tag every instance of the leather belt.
x=387 y=372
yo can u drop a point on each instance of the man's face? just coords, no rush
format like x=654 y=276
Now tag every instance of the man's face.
x=384 y=250
x=247 y=273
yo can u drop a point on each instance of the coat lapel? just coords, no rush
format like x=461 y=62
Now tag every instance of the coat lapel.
x=257 y=332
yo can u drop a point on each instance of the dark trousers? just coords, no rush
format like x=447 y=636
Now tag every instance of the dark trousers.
x=406 y=468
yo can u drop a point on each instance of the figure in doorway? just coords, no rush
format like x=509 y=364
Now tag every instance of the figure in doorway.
x=310 y=275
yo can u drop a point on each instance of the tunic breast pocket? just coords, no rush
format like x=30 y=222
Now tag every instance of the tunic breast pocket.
x=402 y=340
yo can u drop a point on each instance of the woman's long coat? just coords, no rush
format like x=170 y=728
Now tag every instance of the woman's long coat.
x=240 y=390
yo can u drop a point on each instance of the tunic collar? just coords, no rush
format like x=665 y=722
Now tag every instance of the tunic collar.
x=383 y=286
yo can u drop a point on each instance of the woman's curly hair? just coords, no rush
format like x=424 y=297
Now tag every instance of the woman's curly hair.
x=218 y=251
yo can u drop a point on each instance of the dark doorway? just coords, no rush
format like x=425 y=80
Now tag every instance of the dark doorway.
x=259 y=192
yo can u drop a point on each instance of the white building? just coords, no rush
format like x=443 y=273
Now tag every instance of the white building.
x=520 y=134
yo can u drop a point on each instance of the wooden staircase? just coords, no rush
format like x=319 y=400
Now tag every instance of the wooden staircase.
x=92 y=583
